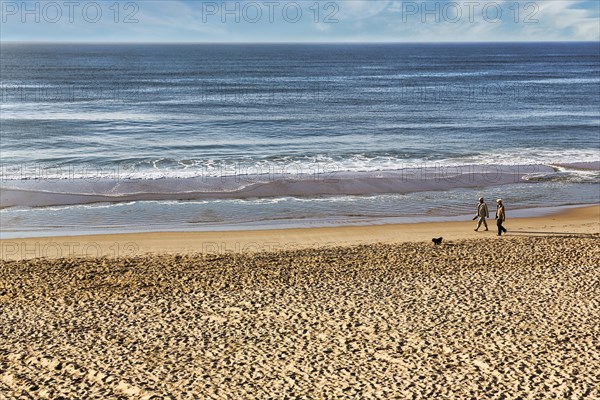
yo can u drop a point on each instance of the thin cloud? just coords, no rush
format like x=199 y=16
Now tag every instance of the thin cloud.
x=360 y=20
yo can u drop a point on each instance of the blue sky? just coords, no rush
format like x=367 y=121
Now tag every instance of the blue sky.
x=300 y=21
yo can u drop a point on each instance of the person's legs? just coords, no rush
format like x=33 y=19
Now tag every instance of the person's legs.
x=484 y=223
x=479 y=223
x=499 y=223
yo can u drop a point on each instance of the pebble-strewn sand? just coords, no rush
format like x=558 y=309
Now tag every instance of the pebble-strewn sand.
x=506 y=318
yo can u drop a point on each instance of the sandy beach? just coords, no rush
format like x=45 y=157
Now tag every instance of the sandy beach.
x=510 y=317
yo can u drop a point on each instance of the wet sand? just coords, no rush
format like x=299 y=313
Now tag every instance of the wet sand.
x=570 y=222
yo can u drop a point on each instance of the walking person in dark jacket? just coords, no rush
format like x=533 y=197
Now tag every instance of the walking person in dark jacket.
x=500 y=217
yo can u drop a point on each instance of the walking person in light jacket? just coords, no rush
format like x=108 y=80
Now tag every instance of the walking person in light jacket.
x=482 y=214
x=500 y=217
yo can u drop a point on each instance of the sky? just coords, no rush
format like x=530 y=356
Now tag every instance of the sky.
x=300 y=21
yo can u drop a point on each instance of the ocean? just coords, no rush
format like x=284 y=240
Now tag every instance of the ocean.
x=99 y=138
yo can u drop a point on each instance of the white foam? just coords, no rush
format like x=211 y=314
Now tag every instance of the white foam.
x=407 y=180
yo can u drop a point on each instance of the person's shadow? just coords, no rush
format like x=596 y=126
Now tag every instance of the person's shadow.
x=556 y=234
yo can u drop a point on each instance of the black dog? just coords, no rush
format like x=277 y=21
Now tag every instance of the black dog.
x=437 y=241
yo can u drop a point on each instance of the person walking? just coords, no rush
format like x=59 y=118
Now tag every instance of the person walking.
x=500 y=217
x=482 y=214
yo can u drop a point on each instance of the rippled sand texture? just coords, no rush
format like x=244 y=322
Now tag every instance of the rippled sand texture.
x=473 y=319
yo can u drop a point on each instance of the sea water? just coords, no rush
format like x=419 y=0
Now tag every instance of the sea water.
x=141 y=137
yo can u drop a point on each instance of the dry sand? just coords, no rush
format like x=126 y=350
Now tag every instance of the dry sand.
x=510 y=317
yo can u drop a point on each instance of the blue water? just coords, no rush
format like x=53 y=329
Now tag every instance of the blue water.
x=151 y=137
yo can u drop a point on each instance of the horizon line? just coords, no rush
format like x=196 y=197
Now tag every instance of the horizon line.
x=291 y=42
